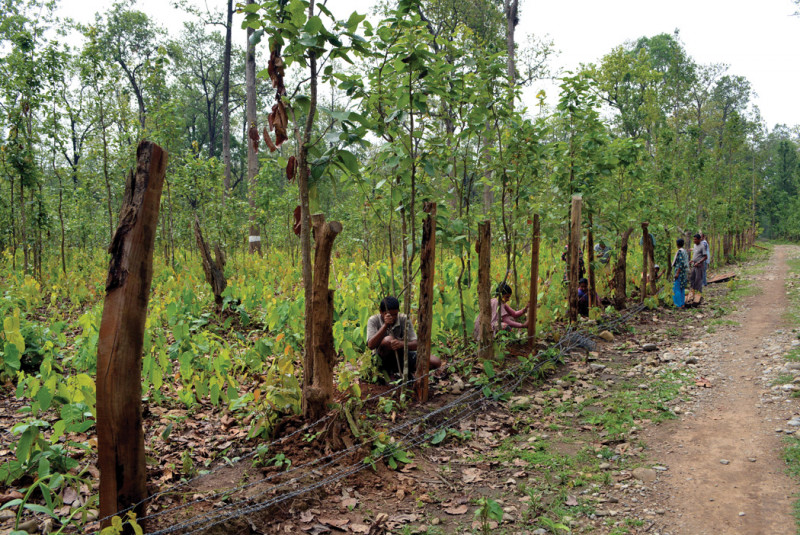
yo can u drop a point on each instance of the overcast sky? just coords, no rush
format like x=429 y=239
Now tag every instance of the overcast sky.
x=758 y=40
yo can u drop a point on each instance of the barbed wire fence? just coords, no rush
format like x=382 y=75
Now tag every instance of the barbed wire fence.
x=406 y=435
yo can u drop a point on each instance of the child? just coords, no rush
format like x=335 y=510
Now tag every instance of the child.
x=502 y=311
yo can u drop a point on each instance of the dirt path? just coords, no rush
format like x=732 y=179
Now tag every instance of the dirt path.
x=725 y=473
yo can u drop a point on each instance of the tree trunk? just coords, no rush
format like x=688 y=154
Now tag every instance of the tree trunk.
x=574 y=251
x=226 y=97
x=590 y=267
x=533 y=296
x=319 y=391
x=121 y=455
x=252 y=151
x=511 y=8
x=483 y=248
x=620 y=272
x=427 y=261
x=645 y=259
x=214 y=268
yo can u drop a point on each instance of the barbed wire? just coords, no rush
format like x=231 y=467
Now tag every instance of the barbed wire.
x=564 y=345
x=569 y=340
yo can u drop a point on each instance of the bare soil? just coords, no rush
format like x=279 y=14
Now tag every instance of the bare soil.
x=726 y=474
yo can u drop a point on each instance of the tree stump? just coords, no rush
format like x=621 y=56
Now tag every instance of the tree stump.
x=214 y=268
x=318 y=382
x=120 y=438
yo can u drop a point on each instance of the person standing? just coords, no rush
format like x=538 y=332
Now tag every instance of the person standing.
x=707 y=251
x=680 y=268
x=698 y=264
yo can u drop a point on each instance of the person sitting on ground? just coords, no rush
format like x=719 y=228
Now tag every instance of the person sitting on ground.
x=581 y=264
x=583 y=298
x=502 y=311
x=385 y=332
x=602 y=252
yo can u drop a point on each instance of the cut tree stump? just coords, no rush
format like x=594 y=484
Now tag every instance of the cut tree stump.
x=214 y=268
x=120 y=437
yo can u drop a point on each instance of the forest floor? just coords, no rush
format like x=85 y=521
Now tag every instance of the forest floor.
x=683 y=423
x=678 y=426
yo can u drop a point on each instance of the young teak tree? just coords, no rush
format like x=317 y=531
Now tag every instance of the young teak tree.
x=299 y=36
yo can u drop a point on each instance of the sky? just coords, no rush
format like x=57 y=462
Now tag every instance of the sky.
x=757 y=40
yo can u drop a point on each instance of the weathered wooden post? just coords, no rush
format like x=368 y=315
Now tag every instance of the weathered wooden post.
x=483 y=248
x=318 y=389
x=590 y=267
x=574 y=252
x=651 y=265
x=533 y=301
x=621 y=272
x=427 y=261
x=645 y=258
x=120 y=438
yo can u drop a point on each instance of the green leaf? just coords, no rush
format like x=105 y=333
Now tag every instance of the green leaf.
x=488 y=369
x=349 y=161
x=39 y=509
x=166 y=432
x=354 y=20
x=439 y=436
x=313 y=26
x=11 y=356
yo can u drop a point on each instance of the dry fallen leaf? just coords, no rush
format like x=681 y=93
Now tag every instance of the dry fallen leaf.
x=571 y=501
x=458 y=510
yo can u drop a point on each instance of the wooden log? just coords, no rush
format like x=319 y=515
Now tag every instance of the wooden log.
x=120 y=438
x=590 y=247
x=212 y=267
x=533 y=300
x=620 y=272
x=645 y=259
x=319 y=392
x=483 y=248
x=574 y=251
x=427 y=261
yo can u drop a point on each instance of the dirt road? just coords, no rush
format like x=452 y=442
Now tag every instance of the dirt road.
x=724 y=471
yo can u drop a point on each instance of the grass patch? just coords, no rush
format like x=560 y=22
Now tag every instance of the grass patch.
x=791 y=451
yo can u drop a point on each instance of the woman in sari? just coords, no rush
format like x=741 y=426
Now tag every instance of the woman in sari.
x=680 y=269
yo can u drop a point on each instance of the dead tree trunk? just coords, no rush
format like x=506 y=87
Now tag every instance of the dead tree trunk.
x=533 y=301
x=620 y=272
x=427 y=261
x=120 y=436
x=574 y=252
x=483 y=248
x=214 y=268
x=645 y=260
x=319 y=390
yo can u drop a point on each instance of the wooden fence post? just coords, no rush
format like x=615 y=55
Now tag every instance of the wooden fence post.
x=483 y=248
x=574 y=252
x=645 y=258
x=318 y=392
x=621 y=272
x=120 y=437
x=427 y=261
x=533 y=301
x=590 y=267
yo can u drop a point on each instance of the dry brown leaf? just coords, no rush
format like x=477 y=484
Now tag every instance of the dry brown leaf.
x=457 y=510
x=268 y=140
